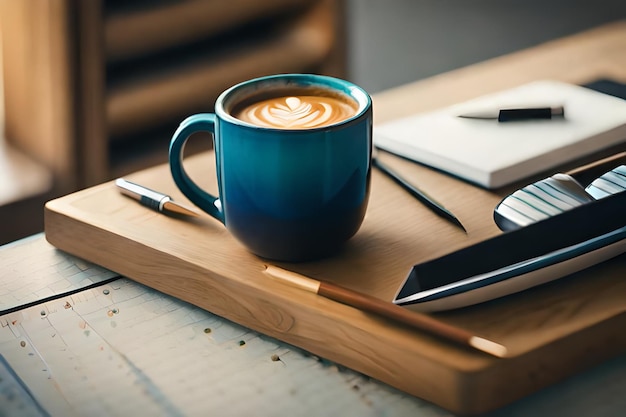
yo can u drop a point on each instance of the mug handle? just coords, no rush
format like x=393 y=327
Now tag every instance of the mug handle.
x=203 y=122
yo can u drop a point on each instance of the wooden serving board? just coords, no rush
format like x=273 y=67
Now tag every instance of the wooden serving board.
x=551 y=331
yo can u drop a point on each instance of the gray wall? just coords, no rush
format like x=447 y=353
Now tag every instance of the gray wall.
x=392 y=42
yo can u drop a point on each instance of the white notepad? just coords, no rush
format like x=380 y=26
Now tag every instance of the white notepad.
x=493 y=154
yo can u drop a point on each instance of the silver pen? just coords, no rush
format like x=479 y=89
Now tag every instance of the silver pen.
x=152 y=199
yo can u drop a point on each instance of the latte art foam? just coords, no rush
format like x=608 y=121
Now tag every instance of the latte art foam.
x=297 y=112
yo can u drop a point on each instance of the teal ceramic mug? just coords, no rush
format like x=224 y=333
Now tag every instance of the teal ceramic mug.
x=293 y=159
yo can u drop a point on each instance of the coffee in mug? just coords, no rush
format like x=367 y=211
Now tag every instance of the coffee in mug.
x=297 y=109
x=293 y=160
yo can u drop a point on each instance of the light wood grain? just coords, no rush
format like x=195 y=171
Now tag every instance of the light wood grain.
x=550 y=332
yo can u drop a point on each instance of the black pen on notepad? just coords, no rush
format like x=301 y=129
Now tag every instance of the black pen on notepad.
x=517 y=114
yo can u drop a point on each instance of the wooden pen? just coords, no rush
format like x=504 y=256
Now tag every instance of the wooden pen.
x=389 y=310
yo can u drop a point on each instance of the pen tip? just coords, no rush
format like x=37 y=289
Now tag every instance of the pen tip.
x=175 y=208
x=458 y=223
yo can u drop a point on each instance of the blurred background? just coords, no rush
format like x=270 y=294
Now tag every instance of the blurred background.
x=93 y=89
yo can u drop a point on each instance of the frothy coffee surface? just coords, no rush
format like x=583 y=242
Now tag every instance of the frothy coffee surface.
x=297 y=111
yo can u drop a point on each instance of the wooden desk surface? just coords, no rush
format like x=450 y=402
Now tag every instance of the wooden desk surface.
x=577 y=59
